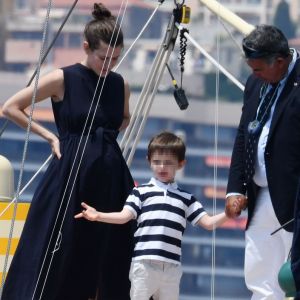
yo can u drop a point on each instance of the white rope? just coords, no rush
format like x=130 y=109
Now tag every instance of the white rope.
x=213 y=245
x=239 y=85
x=138 y=36
x=59 y=238
x=158 y=64
x=237 y=44
x=147 y=110
x=127 y=138
x=26 y=145
x=144 y=102
x=48 y=159
x=27 y=184
x=4 y=126
x=138 y=111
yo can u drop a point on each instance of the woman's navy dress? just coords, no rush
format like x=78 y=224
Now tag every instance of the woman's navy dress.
x=59 y=257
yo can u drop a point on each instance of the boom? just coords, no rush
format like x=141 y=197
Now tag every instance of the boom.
x=228 y=16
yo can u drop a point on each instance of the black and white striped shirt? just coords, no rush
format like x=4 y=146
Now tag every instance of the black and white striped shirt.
x=161 y=211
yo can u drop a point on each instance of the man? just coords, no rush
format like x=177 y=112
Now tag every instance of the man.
x=265 y=164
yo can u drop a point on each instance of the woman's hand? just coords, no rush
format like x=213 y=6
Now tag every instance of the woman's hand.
x=55 y=146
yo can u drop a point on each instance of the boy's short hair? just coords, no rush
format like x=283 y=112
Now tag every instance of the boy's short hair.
x=167 y=142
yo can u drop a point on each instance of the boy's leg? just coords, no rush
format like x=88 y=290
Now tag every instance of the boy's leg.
x=144 y=281
x=169 y=283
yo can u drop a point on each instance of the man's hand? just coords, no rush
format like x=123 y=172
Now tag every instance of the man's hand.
x=234 y=205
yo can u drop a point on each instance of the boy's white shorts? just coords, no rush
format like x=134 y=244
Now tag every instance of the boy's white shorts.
x=154 y=278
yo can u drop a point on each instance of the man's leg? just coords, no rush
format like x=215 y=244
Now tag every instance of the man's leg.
x=265 y=253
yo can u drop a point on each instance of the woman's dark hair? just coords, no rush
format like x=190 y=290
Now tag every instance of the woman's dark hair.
x=167 y=142
x=103 y=27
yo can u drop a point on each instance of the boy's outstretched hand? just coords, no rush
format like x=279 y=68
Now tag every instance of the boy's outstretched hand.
x=89 y=213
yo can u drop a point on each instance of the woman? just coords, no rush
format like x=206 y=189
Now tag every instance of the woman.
x=59 y=257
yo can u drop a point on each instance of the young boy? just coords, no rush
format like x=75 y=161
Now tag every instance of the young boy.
x=161 y=210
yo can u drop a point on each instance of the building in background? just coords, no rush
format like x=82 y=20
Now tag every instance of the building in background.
x=24 y=24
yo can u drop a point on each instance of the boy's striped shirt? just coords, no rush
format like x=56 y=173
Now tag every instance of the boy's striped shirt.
x=161 y=211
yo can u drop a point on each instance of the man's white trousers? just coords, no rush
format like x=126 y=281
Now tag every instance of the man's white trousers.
x=265 y=253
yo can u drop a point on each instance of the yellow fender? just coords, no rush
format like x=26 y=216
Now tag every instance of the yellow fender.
x=6 y=196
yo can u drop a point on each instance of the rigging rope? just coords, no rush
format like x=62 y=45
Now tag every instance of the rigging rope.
x=236 y=43
x=212 y=60
x=45 y=28
x=139 y=109
x=87 y=118
x=215 y=185
x=239 y=85
x=126 y=139
x=139 y=35
x=144 y=102
x=127 y=52
x=4 y=126
x=59 y=237
x=147 y=108
x=136 y=126
x=27 y=184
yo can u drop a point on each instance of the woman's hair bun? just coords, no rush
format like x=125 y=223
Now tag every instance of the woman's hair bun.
x=100 y=12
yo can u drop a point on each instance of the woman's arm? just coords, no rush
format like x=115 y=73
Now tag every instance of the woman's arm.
x=50 y=85
x=92 y=214
x=126 y=117
x=211 y=222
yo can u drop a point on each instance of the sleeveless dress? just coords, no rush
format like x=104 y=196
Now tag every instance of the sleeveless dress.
x=59 y=257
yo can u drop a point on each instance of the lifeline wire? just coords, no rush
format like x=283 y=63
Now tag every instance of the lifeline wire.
x=142 y=125
x=44 y=57
x=25 y=145
x=140 y=106
x=127 y=52
x=212 y=60
x=76 y=173
x=213 y=246
x=236 y=82
x=27 y=184
x=139 y=35
x=127 y=137
x=30 y=81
